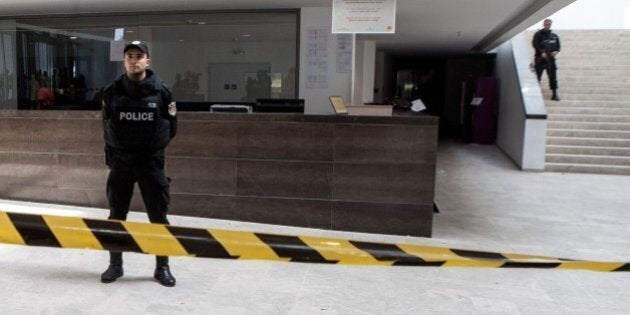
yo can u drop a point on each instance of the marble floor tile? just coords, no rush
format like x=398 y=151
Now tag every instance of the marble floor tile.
x=485 y=203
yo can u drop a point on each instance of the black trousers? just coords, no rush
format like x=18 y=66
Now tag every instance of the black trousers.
x=152 y=181
x=549 y=65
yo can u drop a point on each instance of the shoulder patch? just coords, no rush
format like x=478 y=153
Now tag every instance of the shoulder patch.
x=172 y=109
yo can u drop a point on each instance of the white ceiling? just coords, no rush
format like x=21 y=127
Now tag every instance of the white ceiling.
x=422 y=26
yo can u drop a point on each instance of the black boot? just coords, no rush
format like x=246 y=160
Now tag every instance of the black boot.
x=555 y=95
x=115 y=269
x=162 y=272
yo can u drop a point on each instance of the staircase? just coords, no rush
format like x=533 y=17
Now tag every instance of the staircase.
x=588 y=130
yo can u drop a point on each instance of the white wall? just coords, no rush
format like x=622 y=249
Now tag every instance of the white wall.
x=364 y=72
x=339 y=84
x=521 y=126
x=369 y=69
x=592 y=14
x=511 y=118
x=365 y=65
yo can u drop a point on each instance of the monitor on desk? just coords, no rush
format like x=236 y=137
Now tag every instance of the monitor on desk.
x=279 y=105
x=230 y=108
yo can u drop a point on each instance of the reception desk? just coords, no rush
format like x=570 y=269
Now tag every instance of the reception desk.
x=351 y=173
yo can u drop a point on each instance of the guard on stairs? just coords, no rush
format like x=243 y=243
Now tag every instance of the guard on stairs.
x=547 y=46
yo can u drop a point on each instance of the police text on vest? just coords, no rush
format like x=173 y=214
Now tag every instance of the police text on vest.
x=135 y=116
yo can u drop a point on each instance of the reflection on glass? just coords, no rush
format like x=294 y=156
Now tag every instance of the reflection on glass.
x=205 y=58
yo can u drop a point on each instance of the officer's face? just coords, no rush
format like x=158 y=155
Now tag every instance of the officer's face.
x=136 y=62
x=547 y=25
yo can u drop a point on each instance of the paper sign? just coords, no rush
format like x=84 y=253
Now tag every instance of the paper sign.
x=338 y=105
x=116 y=50
x=417 y=105
x=364 y=16
x=476 y=101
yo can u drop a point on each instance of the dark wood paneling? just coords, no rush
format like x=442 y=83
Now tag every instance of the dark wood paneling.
x=286 y=141
x=366 y=174
x=36 y=169
x=13 y=135
x=383 y=218
x=202 y=175
x=206 y=206
x=294 y=212
x=204 y=138
x=284 y=179
x=82 y=172
x=385 y=144
x=392 y=183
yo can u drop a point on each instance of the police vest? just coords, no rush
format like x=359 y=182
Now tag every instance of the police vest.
x=138 y=125
x=550 y=43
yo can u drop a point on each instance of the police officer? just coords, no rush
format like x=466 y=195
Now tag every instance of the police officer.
x=138 y=121
x=547 y=45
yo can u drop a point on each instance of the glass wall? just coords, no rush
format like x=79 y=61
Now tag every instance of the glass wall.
x=215 y=57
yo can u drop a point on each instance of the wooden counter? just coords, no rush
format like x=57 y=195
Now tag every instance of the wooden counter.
x=351 y=173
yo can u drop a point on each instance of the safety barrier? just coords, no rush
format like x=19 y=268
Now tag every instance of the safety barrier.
x=169 y=240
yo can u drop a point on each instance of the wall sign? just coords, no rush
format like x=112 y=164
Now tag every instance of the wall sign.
x=363 y=16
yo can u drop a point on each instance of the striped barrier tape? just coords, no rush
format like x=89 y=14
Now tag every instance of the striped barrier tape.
x=168 y=240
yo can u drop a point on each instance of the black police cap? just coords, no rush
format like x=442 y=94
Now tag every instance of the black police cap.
x=142 y=46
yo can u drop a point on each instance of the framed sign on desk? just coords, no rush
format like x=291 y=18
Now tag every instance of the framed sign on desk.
x=338 y=105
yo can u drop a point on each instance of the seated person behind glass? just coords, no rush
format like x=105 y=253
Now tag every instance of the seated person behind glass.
x=45 y=97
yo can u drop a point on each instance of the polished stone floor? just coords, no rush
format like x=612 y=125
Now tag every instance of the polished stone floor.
x=485 y=203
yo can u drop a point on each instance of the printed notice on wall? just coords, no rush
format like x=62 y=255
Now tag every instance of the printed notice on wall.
x=116 y=50
x=364 y=16
x=344 y=53
x=317 y=58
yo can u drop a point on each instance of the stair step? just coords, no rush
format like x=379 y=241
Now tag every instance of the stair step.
x=570 y=133
x=587 y=159
x=584 y=97
x=586 y=150
x=589 y=142
x=583 y=82
x=589 y=118
x=586 y=85
x=588 y=131
x=594 y=53
x=595 y=37
x=565 y=62
x=587 y=125
x=585 y=110
x=596 y=72
x=592 y=78
x=589 y=168
x=589 y=57
x=588 y=67
x=568 y=90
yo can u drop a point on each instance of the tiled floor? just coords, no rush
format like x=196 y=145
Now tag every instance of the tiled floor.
x=485 y=203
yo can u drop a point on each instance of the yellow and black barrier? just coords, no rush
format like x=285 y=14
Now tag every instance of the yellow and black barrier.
x=168 y=240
